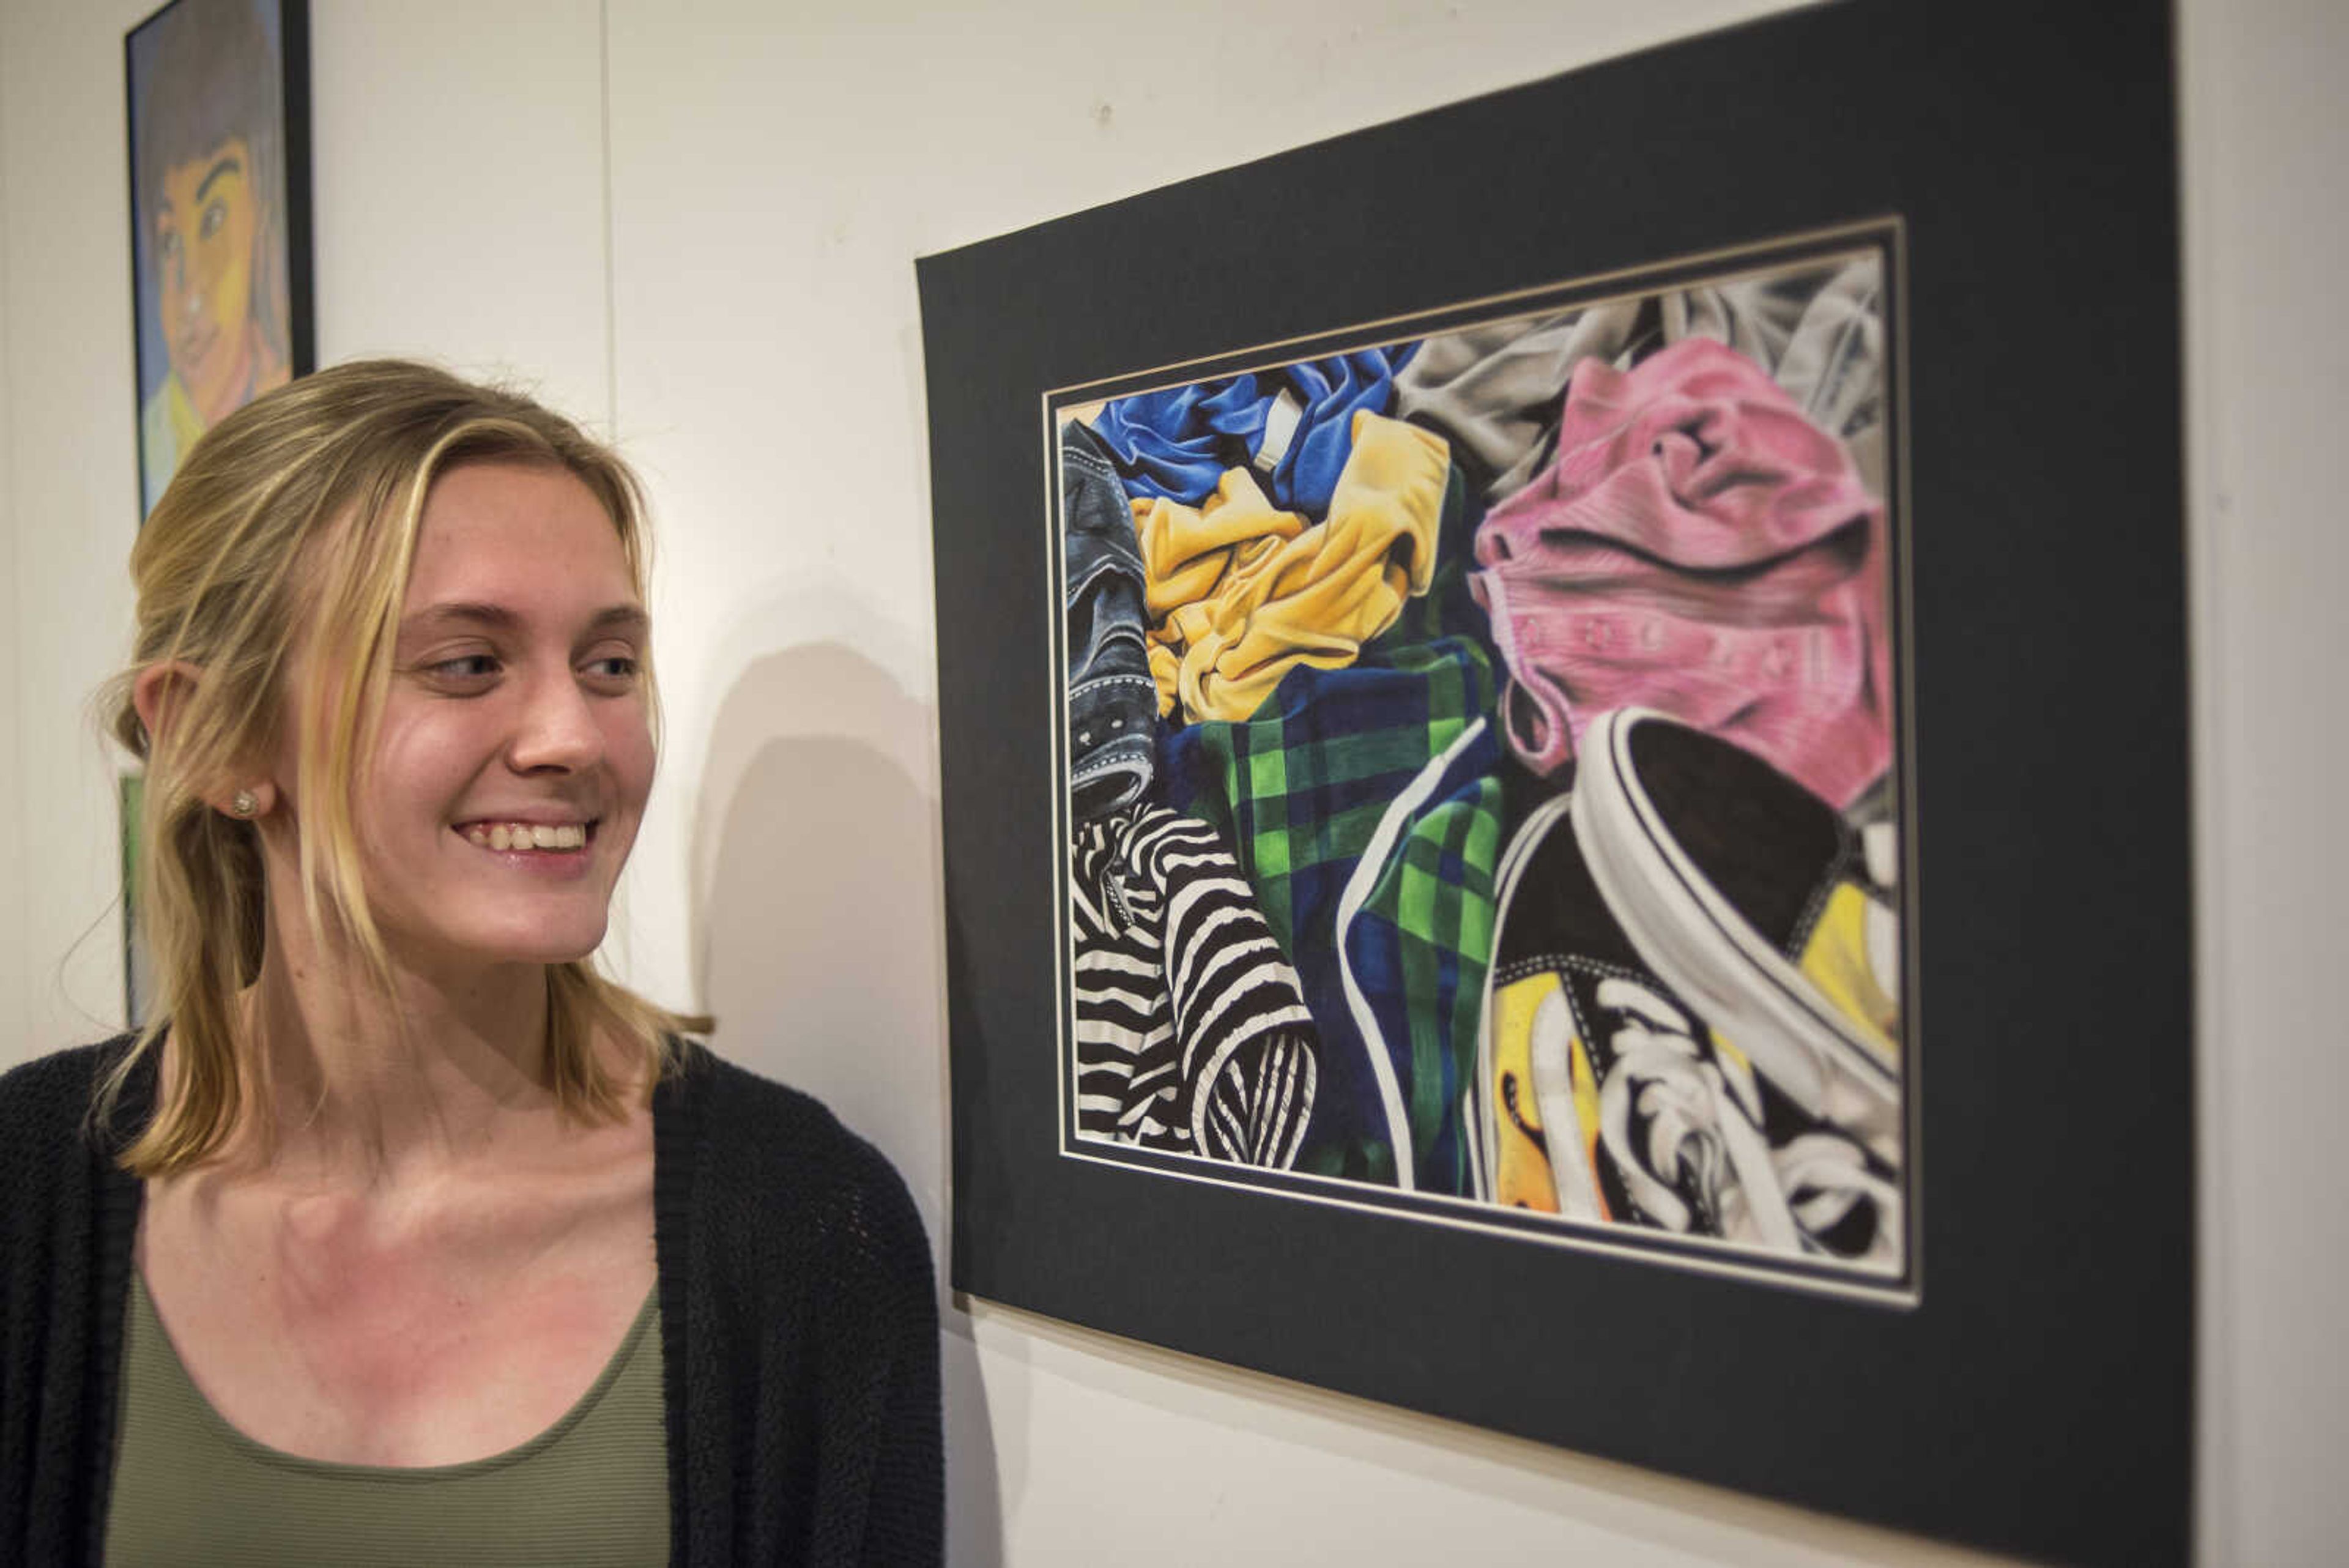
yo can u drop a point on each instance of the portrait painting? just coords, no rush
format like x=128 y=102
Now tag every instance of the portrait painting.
x=1482 y=787
x=219 y=193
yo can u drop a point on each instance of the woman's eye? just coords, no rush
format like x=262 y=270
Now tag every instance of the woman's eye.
x=614 y=666
x=470 y=666
x=215 y=215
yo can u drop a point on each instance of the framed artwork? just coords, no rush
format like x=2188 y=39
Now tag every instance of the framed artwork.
x=1373 y=654
x=1569 y=811
x=218 y=101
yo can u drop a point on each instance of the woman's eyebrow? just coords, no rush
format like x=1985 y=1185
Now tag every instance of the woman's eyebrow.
x=626 y=617
x=461 y=613
x=630 y=618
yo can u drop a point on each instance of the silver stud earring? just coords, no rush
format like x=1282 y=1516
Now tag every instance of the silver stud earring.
x=244 y=802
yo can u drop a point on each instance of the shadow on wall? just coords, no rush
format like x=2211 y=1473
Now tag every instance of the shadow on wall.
x=817 y=878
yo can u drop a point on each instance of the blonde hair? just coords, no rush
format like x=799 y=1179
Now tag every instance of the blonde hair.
x=295 y=518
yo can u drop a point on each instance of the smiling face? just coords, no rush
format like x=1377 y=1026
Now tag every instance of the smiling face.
x=514 y=751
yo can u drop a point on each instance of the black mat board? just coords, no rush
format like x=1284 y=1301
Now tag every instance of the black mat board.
x=2037 y=1396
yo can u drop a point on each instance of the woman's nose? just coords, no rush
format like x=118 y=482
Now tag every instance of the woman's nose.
x=557 y=728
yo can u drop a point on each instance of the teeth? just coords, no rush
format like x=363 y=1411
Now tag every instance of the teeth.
x=528 y=835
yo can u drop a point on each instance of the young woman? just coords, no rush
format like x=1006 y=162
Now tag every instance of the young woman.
x=404 y=1235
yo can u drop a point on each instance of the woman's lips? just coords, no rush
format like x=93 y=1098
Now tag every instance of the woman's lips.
x=565 y=853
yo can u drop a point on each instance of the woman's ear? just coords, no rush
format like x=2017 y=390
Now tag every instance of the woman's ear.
x=159 y=693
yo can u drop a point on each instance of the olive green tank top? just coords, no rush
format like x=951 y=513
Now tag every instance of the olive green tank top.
x=192 y=1490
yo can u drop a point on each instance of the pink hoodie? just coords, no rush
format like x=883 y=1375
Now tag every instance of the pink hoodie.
x=1702 y=548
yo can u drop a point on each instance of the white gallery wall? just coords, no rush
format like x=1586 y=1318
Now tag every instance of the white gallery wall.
x=694 y=224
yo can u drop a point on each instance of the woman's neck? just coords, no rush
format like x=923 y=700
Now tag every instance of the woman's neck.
x=356 y=1087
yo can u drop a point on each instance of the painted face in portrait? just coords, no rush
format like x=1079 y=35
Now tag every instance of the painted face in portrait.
x=208 y=217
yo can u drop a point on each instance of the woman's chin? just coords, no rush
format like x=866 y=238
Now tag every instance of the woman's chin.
x=495 y=949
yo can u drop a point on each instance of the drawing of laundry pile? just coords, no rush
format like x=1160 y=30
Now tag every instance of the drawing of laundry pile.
x=1481 y=767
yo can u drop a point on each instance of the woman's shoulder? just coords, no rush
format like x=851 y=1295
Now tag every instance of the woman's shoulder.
x=48 y=1154
x=769 y=1154
x=745 y=1115
x=48 y=1098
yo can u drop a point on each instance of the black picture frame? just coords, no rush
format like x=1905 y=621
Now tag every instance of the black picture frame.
x=2035 y=1395
x=230 y=219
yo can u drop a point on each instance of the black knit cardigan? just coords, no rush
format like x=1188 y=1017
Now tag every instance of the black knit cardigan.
x=799 y=1323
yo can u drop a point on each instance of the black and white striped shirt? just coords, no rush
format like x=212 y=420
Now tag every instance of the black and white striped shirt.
x=1191 y=1032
